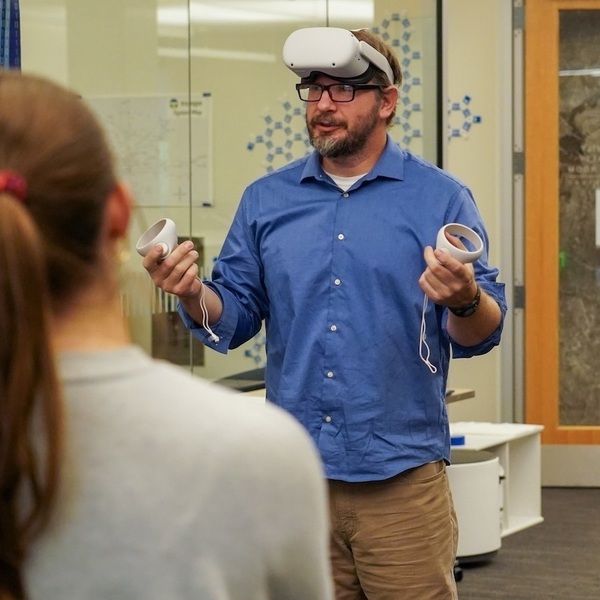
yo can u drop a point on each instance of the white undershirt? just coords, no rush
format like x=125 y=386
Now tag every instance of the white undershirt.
x=345 y=183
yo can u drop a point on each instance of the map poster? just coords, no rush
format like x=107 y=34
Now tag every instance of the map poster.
x=163 y=146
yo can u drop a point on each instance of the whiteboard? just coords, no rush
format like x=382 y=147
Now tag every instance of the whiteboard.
x=163 y=146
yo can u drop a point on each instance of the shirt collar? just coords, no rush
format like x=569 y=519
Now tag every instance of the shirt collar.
x=390 y=164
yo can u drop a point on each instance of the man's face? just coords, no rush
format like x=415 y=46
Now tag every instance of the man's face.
x=342 y=129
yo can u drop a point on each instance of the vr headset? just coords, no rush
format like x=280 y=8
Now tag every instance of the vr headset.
x=334 y=52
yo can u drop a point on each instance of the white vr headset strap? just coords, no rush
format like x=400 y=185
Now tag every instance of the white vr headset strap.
x=375 y=57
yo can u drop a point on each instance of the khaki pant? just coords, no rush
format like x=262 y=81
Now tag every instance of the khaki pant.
x=394 y=539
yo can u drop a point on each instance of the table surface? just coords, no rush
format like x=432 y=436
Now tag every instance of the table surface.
x=456 y=394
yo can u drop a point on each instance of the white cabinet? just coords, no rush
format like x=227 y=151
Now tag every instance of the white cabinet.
x=518 y=448
x=474 y=482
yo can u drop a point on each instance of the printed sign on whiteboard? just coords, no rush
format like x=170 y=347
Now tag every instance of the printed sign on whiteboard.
x=163 y=146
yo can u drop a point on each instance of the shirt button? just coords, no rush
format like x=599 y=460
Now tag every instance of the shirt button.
x=346 y=194
x=330 y=374
x=337 y=281
x=340 y=236
x=327 y=419
x=333 y=328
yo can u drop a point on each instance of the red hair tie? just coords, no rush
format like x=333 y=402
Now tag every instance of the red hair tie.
x=14 y=184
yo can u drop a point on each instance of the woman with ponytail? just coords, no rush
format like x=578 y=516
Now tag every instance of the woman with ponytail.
x=122 y=476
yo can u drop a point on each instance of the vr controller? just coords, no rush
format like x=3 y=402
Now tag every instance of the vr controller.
x=464 y=256
x=162 y=233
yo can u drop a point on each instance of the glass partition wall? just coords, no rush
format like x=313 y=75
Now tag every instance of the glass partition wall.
x=198 y=104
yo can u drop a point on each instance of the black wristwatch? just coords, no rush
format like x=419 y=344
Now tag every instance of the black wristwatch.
x=466 y=310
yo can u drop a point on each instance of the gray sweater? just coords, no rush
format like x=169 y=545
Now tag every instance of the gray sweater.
x=176 y=488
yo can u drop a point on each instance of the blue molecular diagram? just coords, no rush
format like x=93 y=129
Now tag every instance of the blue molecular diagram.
x=397 y=31
x=284 y=137
x=461 y=118
x=257 y=351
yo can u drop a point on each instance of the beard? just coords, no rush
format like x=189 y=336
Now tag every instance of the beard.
x=347 y=145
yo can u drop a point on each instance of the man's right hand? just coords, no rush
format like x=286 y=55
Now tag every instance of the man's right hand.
x=178 y=273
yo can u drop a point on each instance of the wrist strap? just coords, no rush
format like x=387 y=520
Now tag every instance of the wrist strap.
x=466 y=310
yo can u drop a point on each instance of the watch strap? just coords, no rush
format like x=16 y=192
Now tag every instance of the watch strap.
x=466 y=310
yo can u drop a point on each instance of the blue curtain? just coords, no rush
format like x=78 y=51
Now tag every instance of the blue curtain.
x=10 y=34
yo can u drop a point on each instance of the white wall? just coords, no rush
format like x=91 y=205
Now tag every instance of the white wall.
x=479 y=65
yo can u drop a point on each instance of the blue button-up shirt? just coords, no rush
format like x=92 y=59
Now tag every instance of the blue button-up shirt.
x=334 y=275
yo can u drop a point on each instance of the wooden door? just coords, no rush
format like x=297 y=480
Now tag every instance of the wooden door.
x=562 y=224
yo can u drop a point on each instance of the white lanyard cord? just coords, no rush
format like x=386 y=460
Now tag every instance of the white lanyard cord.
x=213 y=336
x=423 y=339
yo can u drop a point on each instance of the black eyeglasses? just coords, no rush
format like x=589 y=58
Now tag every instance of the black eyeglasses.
x=338 y=92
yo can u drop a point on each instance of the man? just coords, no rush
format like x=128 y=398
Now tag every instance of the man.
x=334 y=252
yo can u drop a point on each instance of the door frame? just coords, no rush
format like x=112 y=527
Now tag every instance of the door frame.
x=542 y=223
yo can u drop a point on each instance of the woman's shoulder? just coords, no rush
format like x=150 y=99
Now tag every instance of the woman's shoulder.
x=237 y=422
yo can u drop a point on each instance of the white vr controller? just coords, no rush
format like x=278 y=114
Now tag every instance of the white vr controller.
x=162 y=233
x=464 y=256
